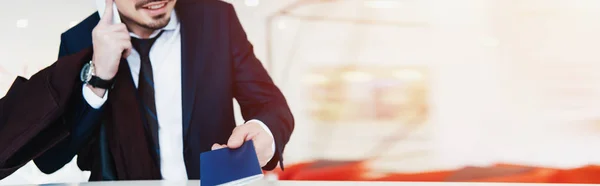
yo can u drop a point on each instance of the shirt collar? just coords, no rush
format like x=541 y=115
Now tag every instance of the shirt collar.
x=172 y=25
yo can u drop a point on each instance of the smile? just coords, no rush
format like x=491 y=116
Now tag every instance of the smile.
x=155 y=5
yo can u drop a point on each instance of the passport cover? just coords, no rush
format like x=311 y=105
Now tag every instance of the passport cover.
x=230 y=166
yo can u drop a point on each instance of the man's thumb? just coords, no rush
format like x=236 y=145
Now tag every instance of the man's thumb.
x=237 y=139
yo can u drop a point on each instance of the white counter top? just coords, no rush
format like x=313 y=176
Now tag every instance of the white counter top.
x=294 y=183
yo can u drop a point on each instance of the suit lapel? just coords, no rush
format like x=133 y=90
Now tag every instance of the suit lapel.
x=191 y=19
x=80 y=36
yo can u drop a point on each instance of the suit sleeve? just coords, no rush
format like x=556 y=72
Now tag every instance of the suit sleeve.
x=30 y=113
x=256 y=93
x=83 y=120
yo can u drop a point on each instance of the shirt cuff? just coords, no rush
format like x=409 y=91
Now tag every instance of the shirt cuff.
x=270 y=134
x=92 y=99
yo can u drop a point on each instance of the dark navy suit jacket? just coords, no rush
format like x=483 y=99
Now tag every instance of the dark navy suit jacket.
x=218 y=65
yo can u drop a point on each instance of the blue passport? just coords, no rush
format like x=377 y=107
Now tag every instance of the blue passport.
x=230 y=166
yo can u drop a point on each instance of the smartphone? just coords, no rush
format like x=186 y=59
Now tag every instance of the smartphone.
x=101 y=5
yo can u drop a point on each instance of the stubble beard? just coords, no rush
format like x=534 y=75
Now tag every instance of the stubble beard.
x=158 y=22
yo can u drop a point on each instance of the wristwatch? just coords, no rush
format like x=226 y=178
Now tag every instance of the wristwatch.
x=88 y=76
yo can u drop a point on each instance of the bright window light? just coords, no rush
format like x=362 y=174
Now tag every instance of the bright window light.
x=357 y=76
x=382 y=3
x=22 y=23
x=408 y=75
x=72 y=23
x=281 y=24
x=251 y=2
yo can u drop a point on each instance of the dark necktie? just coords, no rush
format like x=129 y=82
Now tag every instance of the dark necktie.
x=146 y=87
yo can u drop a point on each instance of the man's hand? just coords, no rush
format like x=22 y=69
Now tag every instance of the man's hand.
x=110 y=42
x=251 y=131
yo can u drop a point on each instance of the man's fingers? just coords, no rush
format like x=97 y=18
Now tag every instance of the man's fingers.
x=127 y=48
x=119 y=27
x=251 y=135
x=126 y=45
x=108 y=12
x=123 y=37
x=126 y=53
x=216 y=146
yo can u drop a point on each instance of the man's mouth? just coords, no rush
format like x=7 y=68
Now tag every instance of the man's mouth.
x=155 y=5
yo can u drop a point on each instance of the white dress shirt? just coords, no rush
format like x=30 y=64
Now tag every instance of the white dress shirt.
x=165 y=56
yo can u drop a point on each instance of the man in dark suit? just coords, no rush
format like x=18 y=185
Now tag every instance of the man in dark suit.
x=156 y=91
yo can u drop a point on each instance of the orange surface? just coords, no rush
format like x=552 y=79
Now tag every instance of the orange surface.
x=587 y=174
x=347 y=172
x=357 y=171
x=435 y=176
x=538 y=175
x=290 y=171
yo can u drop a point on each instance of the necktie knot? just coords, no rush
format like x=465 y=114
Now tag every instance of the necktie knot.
x=143 y=46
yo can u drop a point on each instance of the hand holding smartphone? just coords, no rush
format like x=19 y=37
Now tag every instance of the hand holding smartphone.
x=111 y=42
x=101 y=6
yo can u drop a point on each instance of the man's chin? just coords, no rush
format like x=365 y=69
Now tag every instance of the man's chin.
x=158 y=23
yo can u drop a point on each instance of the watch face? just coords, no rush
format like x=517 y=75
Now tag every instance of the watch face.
x=86 y=74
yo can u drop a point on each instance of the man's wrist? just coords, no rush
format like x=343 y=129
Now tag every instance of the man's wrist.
x=91 y=97
x=89 y=75
x=264 y=126
x=100 y=71
x=104 y=75
x=100 y=92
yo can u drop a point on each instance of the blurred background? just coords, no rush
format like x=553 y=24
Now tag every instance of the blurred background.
x=399 y=85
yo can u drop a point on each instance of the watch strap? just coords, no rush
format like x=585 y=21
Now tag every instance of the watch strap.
x=98 y=82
